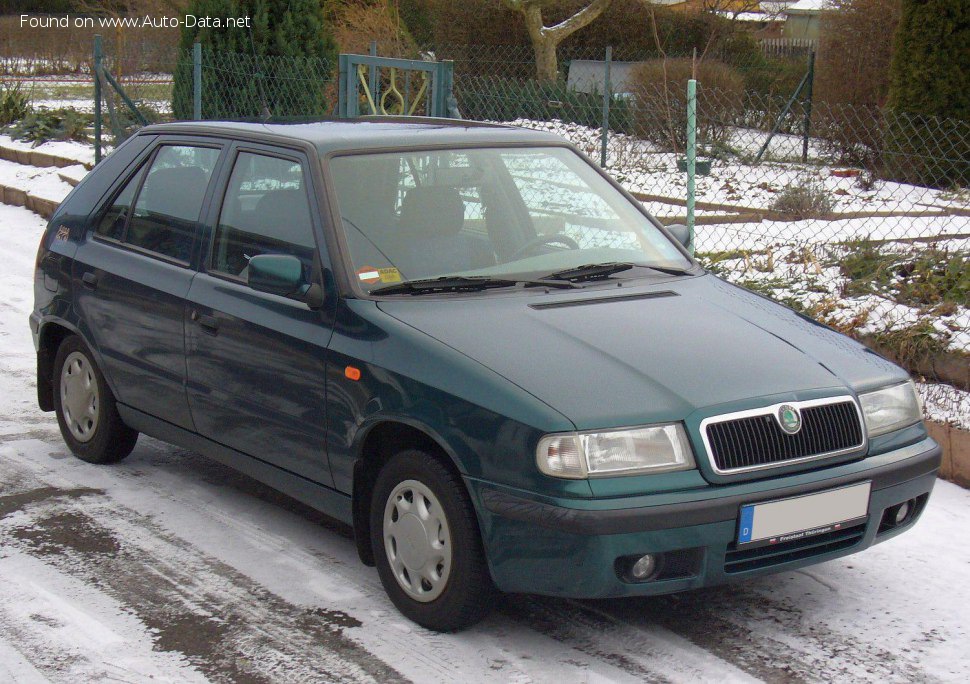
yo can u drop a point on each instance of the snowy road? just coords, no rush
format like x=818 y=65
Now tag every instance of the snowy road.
x=170 y=567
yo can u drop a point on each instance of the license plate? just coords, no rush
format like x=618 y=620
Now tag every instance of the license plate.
x=800 y=517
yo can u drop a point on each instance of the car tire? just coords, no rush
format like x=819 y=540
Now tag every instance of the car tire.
x=86 y=409
x=427 y=545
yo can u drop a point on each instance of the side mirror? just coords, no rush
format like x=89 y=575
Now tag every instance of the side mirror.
x=684 y=236
x=279 y=274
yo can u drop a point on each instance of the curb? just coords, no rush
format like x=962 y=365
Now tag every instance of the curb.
x=40 y=159
x=21 y=198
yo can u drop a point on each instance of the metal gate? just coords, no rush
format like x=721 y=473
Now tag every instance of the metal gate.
x=372 y=85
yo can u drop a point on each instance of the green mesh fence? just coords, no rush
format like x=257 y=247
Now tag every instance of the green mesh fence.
x=857 y=216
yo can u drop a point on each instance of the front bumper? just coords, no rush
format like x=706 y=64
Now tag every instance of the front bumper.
x=572 y=547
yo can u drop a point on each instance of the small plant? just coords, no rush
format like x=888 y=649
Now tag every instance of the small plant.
x=804 y=199
x=42 y=125
x=932 y=278
x=927 y=278
x=866 y=181
x=14 y=102
x=864 y=264
x=913 y=345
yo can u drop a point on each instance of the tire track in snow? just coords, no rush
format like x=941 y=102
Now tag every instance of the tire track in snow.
x=225 y=625
x=733 y=622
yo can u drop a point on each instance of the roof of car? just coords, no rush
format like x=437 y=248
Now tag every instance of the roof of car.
x=366 y=133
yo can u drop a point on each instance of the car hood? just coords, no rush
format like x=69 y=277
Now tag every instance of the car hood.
x=607 y=357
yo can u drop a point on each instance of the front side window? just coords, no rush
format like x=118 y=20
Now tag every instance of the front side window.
x=170 y=201
x=492 y=212
x=266 y=211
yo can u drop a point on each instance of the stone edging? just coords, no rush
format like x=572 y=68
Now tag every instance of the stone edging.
x=21 y=198
x=956 y=452
x=38 y=158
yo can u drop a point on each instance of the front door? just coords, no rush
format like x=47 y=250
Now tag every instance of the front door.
x=256 y=362
x=133 y=272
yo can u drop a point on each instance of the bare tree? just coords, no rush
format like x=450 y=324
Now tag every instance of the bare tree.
x=546 y=39
x=731 y=9
x=120 y=8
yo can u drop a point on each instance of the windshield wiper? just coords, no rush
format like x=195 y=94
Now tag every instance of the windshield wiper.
x=605 y=270
x=589 y=271
x=671 y=270
x=460 y=284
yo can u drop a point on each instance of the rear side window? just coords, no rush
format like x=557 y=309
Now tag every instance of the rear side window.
x=266 y=211
x=159 y=206
x=170 y=200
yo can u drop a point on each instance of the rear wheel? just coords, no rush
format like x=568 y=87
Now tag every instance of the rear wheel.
x=427 y=545
x=86 y=410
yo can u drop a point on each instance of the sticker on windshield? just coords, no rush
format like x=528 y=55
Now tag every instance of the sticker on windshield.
x=389 y=275
x=368 y=274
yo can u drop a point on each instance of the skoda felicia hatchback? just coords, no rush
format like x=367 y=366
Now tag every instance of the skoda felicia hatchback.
x=470 y=344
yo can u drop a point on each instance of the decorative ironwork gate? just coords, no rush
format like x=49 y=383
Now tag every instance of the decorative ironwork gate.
x=372 y=85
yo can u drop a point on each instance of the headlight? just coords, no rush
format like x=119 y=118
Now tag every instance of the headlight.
x=654 y=449
x=891 y=408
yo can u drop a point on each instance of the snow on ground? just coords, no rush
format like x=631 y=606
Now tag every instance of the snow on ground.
x=814 y=278
x=945 y=404
x=757 y=236
x=173 y=568
x=40 y=182
x=641 y=167
x=69 y=149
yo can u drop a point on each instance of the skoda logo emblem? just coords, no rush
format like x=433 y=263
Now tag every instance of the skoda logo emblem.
x=789 y=419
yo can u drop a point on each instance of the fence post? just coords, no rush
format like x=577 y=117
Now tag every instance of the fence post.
x=97 y=98
x=607 y=96
x=781 y=117
x=372 y=74
x=197 y=81
x=691 y=151
x=808 y=104
x=448 y=89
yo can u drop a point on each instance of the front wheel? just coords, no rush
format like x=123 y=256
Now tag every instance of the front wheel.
x=86 y=411
x=427 y=544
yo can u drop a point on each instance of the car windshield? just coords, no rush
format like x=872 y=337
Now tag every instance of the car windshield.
x=509 y=213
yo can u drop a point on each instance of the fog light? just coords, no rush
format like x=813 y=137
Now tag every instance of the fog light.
x=902 y=512
x=644 y=568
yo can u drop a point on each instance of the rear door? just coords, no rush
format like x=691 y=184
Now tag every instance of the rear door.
x=257 y=361
x=133 y=271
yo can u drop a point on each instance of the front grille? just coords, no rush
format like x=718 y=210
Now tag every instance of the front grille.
x=757 y=441
x=766 y=556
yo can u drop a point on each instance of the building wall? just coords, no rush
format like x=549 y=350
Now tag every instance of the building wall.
x=802 y=26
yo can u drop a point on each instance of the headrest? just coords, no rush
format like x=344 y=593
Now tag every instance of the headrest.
x=175 y=192
x=285 y=215
x=432 y=211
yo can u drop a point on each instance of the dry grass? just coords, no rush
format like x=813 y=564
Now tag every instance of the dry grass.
x=43 y=51
x=358 y=22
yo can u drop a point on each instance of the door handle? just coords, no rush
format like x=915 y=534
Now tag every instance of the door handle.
x=209 y=324
x=90 y=280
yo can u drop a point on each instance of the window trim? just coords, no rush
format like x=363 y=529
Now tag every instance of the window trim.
x=143 y=167
x=218 y=203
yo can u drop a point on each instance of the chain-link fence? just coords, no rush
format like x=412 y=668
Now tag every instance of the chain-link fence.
x=858 y=216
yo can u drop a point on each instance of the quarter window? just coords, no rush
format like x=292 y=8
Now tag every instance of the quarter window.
x=112 y=224
x=266 y=211
x=170 y=200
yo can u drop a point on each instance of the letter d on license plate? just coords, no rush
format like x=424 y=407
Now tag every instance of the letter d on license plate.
x=786 y=520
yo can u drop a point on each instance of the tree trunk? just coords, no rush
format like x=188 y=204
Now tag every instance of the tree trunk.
x=546 y=39
x=547 y=61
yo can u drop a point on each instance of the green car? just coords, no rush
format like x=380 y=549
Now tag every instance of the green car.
x=470 y=344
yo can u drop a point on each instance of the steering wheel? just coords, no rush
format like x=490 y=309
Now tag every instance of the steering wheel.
x=539 y=240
